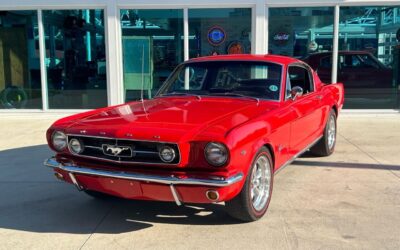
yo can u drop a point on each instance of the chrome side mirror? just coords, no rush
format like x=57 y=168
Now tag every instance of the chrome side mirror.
x=295 y=92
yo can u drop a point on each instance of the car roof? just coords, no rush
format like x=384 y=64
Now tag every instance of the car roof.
x=247 y=57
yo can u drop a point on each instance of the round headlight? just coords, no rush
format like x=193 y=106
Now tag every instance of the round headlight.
x=216 y=153
x=75 y=146
x=167 y=154
x=59 y=140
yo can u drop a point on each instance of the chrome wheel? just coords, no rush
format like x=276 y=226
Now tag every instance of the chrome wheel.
x=260 y=183
x=331 y=132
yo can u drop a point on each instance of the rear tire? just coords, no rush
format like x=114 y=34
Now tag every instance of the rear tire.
x=326 y=145
x=253 y=200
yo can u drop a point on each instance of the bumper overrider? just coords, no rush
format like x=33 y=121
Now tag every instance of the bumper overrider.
x=146 y=186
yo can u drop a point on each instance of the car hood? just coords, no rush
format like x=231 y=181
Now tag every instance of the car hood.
x=169 y=118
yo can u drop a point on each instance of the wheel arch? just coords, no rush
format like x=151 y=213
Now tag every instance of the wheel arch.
x=334 y=108
x=271 y=151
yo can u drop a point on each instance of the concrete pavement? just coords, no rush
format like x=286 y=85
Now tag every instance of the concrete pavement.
x=350 y=200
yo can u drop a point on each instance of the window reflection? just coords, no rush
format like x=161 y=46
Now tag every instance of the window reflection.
x=152 y=43
x=219 y=31
x=75 y=58
x=20 y=82
x=304 y=33
x=298 y=32
x=369 y=60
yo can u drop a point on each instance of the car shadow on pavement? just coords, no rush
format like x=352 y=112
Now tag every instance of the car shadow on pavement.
x=339 y=164
x=346 y=165
x=32 y=199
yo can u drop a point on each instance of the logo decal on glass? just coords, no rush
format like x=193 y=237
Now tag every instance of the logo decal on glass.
x=273 y=88
x=216 y=35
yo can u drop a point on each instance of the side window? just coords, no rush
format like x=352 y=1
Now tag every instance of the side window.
x=326 y=62
x=300 y=77
x=368 y=61
x=352 y=61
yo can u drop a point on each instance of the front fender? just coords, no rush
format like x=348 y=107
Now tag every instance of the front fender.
x=245 y=141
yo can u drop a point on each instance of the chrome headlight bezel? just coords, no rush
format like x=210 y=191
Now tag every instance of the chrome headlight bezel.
x=61 y=143
x=172 y=152
x=216 y=148
x=71 y=146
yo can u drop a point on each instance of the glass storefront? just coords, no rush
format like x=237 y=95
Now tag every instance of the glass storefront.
x=219 y=31
x=75 y=58
x=151 y=43
x=152 y=46
x=20 y=83
x=369 y=61
x=304 y=33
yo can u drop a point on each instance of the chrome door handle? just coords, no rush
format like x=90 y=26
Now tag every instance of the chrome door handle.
x=319 y=97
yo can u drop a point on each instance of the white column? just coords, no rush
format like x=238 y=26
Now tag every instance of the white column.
x=113 y=54
x=185 y=34
x=258 y=36
x=266 y=30
x=335 y=48
x=42 y=57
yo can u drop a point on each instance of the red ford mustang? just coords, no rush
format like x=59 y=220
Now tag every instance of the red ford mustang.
x=216 y=131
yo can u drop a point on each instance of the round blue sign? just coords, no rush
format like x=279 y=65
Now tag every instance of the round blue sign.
x=216 y=35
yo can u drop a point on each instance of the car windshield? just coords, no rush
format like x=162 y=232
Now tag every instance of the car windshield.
x=242 y=79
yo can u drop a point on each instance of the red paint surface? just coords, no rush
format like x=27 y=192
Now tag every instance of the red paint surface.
x=244 y=126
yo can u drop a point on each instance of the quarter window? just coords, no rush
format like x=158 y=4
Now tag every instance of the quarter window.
x=300 y=76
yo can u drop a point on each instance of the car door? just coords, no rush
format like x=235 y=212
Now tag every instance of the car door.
x=307 y=108
x=354 y=73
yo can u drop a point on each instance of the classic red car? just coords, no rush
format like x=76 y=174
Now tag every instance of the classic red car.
x=217 y=131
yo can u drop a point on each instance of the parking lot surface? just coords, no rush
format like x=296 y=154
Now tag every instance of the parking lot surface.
x=350 y=200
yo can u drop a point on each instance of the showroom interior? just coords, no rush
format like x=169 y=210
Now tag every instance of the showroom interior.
x=72 y=56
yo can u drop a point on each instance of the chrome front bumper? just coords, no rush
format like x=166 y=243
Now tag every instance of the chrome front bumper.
x=169 y=180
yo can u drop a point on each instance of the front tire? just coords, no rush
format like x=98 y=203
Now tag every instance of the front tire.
x=326 y=145
x=253 y=200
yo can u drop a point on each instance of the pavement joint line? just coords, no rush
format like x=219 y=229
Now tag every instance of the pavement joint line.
x=284 y=230
x=369 y=155
x=97 y=226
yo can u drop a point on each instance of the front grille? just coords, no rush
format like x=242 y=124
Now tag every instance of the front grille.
x=126 y=151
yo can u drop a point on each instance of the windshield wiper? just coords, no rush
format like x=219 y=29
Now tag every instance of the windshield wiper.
x=235 y=94
x=179 y=94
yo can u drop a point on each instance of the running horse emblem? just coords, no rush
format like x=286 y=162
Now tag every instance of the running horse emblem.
x=115 y=150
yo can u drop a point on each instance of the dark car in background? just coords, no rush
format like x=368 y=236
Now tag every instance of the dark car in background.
x=356 y=69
